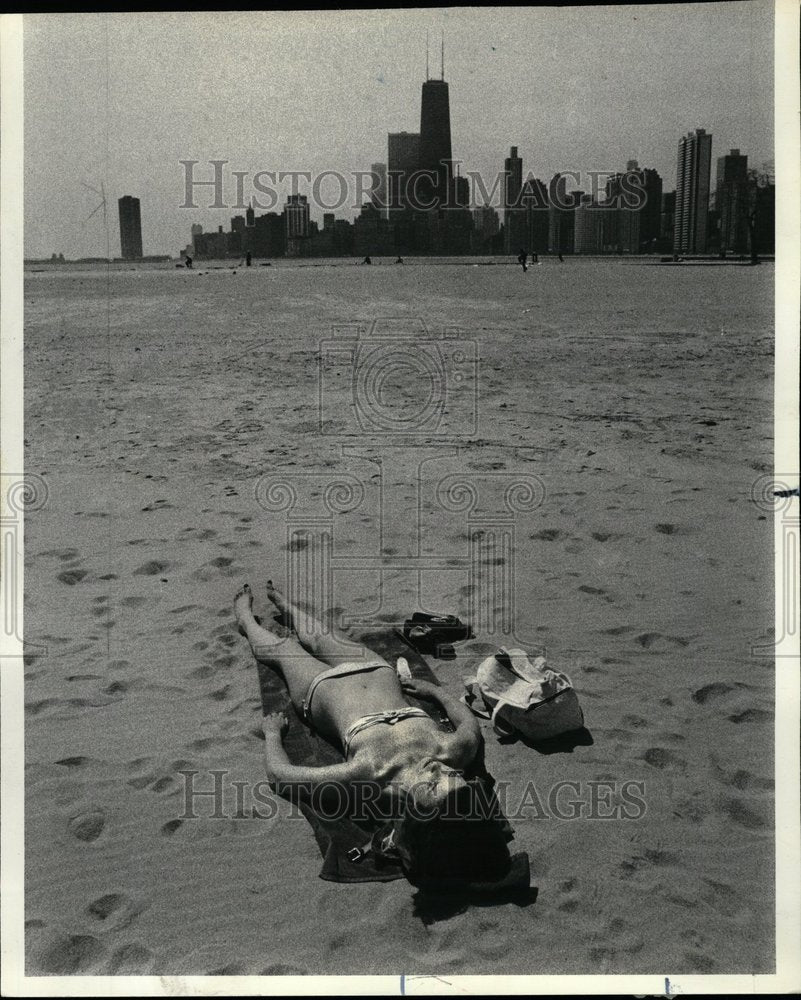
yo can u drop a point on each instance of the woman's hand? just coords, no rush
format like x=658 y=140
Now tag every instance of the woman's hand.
x=424 y=690
x=275 y=724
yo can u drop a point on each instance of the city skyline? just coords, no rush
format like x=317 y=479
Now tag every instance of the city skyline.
x=493 y=103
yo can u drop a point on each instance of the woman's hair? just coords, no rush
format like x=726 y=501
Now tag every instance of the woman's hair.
x=460 y=841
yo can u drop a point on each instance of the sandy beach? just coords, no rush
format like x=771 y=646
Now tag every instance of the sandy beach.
x=157 y=400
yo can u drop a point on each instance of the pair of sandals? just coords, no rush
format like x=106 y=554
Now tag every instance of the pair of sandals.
x=434 y=635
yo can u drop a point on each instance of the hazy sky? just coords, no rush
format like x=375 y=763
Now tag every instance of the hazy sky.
x=122 y=98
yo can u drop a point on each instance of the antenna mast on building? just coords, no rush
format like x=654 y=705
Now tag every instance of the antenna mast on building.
x=443 y=54
x=428 y=77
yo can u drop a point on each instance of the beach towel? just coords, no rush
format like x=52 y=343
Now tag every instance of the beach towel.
x=342 y=839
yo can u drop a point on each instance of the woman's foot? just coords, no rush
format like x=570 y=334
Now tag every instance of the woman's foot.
x=243 y=607
x=279 y=601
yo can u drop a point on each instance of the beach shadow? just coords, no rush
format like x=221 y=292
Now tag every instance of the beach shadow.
x=431 y=909
x=565 y=743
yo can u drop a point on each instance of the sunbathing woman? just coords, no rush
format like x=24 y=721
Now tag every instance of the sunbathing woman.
x=347 y=692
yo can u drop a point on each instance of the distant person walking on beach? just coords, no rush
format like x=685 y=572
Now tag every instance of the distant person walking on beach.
x=521 y=259
x=561 y=259
x=189 y=262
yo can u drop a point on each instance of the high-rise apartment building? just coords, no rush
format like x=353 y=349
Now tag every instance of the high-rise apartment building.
x=731 y=201
x=296 y=214
x=514 y=216
x=692 y=192
x=588 y=220
x=622 y=211
x=535 y=202
x=649 y=182
x=561 y=215
x=130 y=228
x=485 y=221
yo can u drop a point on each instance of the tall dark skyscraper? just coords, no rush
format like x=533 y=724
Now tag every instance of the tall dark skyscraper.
x=692 y=192
x=561 y=215
x=379 y=193
x=731 y=201
x=435 y=139
x=651 y=211
x=514 y=236
x=403 y=155
x=130 y=228
x=535 y=201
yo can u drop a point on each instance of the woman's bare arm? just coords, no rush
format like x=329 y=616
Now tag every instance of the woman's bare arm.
x=281 y=771
x=464 y=743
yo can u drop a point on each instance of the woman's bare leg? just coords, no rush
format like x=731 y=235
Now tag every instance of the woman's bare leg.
x=330 y=645
x=286 y=654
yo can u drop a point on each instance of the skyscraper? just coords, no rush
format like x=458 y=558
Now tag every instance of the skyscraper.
x=296 y=220
x=536 y=207
x=130 y=228
x=403 y=155
x=485 y=222
x=514 y=224
x=378 y=195
x=622 y=210
x=651 y=210
x=435 y=141
x=461 y=191
x=692 y=192
x=561 y=215
x=588 y=227
x=731 y=201
x=296 y=214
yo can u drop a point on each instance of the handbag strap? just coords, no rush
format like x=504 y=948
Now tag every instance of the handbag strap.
x=470 y=698
x=496 y=722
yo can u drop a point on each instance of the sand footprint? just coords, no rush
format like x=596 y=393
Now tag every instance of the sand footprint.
x=87 y=826
x=74 y=761
x=131 y=960
x=114 y=909
x=283 y=969
x=658 y=642
x=67 y=955
x=619 y=937
x=662 y=758
x=751 y=715
x=151 y=568
x=569 y=899
x=741 y=813
x=163 y=781
x=711 y=692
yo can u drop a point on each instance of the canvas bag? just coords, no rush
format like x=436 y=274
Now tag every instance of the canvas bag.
x=523 y=698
